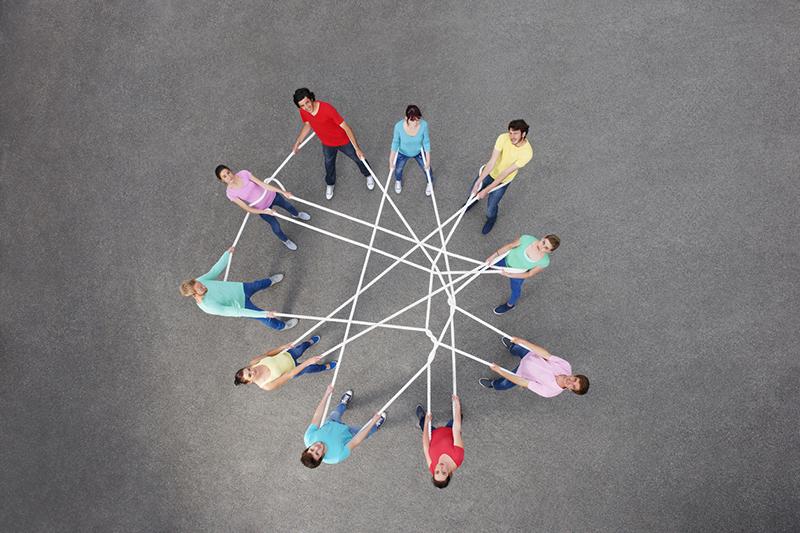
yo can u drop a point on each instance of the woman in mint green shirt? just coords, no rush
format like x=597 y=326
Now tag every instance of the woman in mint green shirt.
x=409 y=138
x=527 y=253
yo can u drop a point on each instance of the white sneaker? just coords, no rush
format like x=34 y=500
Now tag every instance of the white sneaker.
x=302 y=215
x=290 y=244
x=429 y=189
x=292 y=322
x=329 y=192
x=276 y=278
x=370 y=183
x=398 y=186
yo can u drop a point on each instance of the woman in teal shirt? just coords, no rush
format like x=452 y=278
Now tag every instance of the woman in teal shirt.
x=527 y=253
x=409 y=139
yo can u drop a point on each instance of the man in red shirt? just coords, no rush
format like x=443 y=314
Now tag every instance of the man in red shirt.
x=334 y=134
x=444 y=450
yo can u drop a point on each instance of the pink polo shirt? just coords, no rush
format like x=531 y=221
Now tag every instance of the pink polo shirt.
x=250 y=191
x=541 y=373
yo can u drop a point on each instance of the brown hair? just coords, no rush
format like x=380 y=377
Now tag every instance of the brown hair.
x=187 y=287
x=413 y=111
x=584 y=384
x=555 y=242
x=442 y=484
x=307 y=459
x=238 y=379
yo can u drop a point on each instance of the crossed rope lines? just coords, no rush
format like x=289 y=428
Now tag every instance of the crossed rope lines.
x=450 y=285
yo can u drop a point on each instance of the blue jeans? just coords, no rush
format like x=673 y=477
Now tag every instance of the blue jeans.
x=516 y=285
x=297 y=351
x=249 y=290
x=336 y=416
x=503 y=383
x=330 y=160
x=400 y=165
x=494 y=197
x=279 y=201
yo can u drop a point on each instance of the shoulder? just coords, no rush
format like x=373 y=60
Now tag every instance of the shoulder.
x=423 y=124
x=398 y=125
x=244 y=174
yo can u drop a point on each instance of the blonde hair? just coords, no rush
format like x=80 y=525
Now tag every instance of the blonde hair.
x=187 y=288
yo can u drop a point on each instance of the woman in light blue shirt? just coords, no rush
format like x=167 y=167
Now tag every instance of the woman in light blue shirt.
x=410 y=138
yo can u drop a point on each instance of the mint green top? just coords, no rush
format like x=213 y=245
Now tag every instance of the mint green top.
x=517 y=258
x=224 y=298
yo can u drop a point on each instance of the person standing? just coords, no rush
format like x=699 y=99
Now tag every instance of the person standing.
x=409 y=139
x=512 y=151
x=232 y=298
x=334 y=134
x=444 y=449
x=275 y=368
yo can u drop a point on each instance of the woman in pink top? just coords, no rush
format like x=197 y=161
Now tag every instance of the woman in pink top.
x=255 y=196
x=538 y=371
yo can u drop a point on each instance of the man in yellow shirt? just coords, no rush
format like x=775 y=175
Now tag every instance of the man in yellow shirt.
x=512 y=151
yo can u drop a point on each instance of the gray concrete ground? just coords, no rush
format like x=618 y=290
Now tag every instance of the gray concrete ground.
x=667 y=141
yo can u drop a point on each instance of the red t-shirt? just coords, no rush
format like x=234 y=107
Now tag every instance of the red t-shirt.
x=326 y=124
x=442 y=442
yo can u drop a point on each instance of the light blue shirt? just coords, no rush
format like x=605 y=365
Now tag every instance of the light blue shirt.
x=406 y=144
x=335 y=436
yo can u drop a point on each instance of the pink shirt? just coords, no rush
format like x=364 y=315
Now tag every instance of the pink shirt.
x=250 y=191
x=541 y=373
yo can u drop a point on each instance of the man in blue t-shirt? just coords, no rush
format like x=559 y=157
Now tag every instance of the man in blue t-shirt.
x=333 y=441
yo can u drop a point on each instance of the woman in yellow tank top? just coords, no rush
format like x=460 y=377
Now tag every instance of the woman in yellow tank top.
x=273 y=369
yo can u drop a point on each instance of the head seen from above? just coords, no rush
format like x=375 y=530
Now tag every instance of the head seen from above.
x=244 y=376
x=193 y=287
x=312 y=456
x=304 y=99
x=549 y=243
x=441 y=475
x=224 y=174
x=517 y=131
x=579 y=384
x=413 y=114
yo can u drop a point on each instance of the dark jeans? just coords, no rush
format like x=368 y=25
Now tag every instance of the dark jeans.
x=250 y=288
x=493 y=201
x=422 y=423
x=279 y=201
x=297 y=351
x=516 y=285
x=503 y=383
x=336 y=416
x=400 y=165
x=330 y=161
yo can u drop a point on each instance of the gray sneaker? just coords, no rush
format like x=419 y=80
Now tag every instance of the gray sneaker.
x=302 y=215
x=275 y=278
x=289 y=243
x=328 y=192
x=370 y=183
x=292 y=322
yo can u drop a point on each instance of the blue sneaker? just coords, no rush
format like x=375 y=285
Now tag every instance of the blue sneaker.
x=488 y=226
x=503 y=309
x=314 y=340
x=331 y=365
x=380 y=421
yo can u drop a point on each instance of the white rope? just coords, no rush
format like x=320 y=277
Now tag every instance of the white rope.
x=345 y=321
x=483 y=322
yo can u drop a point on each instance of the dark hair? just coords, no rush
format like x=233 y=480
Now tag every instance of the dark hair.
x=239 y=378
x=218 y=171
x=555 y=242
x=301 y=93
x=584 y=384
x=442 y=484
x=413 y=111
x=307 y=459
x=519 y=125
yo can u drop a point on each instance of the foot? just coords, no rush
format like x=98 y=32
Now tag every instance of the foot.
x=328 y=192
x=289 y=324
x=486 y=383
x=398 y=186
x=314 y=340
x=275 y=278
x=429 y=189
x=507 y=342
x=289 y=243
x=346 y=397
x=331 y=365
x=488 y=226
x=370 y=183
x=380 y=421
x=302 y=215
x=420 y=412
x=503 y=309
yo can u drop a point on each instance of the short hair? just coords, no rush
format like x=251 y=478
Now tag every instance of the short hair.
x=583 y=384
x=413 y=111
x=442 y=484
x=554 y=241
x=187 y=287
x=218 y=171
x=301 y=93
x=239 y=378
x=519 y=125
x=307 y=459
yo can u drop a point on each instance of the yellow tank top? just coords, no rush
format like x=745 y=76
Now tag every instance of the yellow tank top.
x=277 y=364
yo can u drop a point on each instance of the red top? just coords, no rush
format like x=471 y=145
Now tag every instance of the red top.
x=326 y=124
x=442 y=442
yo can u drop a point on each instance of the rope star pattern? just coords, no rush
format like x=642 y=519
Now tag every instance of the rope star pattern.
x=451 y=286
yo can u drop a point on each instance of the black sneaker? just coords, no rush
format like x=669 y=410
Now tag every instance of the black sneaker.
x=507 y=342
x=503 y=309
x=346 y=397
x=380 y=421
x=486 y=383
x=420 y=413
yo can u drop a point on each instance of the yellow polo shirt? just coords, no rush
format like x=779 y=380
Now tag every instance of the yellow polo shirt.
x=510 y=155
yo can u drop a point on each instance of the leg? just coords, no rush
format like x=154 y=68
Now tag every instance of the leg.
x=297 y=351
x=494 y=200
x=449 y=423
x=252 y=287
x=272 y=323
x=276 y=226
x=503 y=383
x=280 y=201
x=336 y=414
x=329 y=153
x=516 y=290
x=519 y=351
x=350 y=152
x=312 y=369
x=399 y=166
x=421 y=164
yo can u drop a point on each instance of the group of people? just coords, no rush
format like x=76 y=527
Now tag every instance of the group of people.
x=332 y=441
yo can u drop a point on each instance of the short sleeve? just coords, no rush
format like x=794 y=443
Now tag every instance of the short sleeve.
x=308 y=438
x=246 y=174
x=524 y=158
x=498 y=144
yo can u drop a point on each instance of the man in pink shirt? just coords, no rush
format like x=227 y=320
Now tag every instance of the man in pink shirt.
x=544 y=374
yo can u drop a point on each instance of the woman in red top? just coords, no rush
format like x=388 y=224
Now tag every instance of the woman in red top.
x=444 y=450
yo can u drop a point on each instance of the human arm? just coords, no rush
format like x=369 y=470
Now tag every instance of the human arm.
x=500 y=251
x=253 y=210
x=352 y=137
x=510 y=376
x=497 y=181
x=303 y=132
x=316 y=420
x=426 y=440
x=486 y=169
x=426 y=144
x=284 y=378
x=269 y=187
x=395 y=144
x=271 y=353
x=361 y=435
x=536 y=349
x=457 y=440
x=218 y=267
x=523 y=275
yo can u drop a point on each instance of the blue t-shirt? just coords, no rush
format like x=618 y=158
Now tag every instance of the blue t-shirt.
x=335 y=436
x=406 y=144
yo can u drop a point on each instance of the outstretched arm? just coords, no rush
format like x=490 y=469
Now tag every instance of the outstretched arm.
x=498 y=180
x=538 y=350
x=457 y=440
x=317 y=418
x=352 y=137
x=486 y=169
x=426 y=440
x=219 y=266
x=271 y=353
x=361 y=435
x=513 y=378
x=284 y=378
x=500 y=251
x=303 y=132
